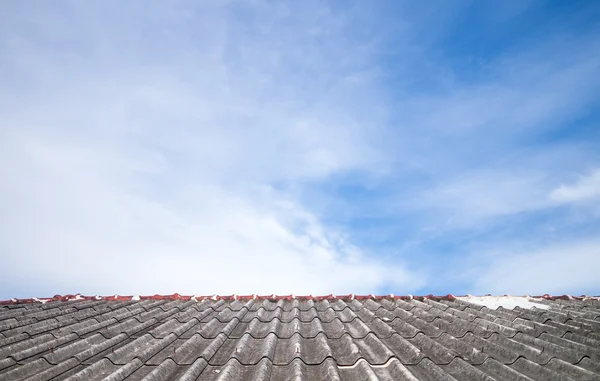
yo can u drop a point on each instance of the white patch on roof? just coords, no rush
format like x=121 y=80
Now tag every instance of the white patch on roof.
x=509 y=302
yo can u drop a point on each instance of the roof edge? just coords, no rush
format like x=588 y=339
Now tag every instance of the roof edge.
x=274 y=297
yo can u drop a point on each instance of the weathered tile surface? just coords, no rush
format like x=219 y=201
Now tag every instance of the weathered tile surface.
x=387 y=338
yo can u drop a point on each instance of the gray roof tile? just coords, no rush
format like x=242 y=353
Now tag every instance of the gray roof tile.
x=298 y=338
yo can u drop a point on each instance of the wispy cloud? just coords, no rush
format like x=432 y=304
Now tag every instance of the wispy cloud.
x=272 y=147
x=584 y=189
x=559 y=269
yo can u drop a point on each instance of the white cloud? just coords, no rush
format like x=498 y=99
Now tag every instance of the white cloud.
x=184 y=139
x=469 y=199
x=552 y=269
x=91 y=220
x=585 y=188
x=133 y=171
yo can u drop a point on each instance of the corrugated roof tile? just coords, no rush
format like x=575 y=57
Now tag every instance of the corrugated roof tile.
x=288 y=337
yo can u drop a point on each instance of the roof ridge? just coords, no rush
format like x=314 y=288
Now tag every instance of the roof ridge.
x=275 y=297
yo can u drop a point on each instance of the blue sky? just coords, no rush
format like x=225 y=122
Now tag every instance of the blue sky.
x=299 y=147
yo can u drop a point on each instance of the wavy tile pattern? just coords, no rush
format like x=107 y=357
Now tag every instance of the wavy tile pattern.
x=377 y=338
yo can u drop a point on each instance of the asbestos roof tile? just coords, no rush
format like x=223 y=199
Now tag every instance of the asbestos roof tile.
x=14 y=339
x=362 y=370
x=62 y=353
x=499 y=371
x=42 y=347
x=55 y=372
x=22 y=372
x=335 y=304
x=136 y=348
x=7 y=362
x=589 y=364
x=233 y=370
x=312 y=351
x=24 y=344
x=461 y=370
x=181 y=351
x=350 y=338
x=95 y=372
x=168 y=370
x=537 y=372
x=574 y=371
x=426 y=328
x=246 y=350
x=260 y=329
x=554 y=350
x=403 y=349
x=427 y=370
x=106 y=345
x=508 y=350
x=433 y=349
x=403 y=328
x=298 y=370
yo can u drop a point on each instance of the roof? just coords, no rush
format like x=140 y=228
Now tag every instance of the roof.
x=304 y=338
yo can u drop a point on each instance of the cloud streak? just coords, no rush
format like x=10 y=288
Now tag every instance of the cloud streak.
x=584 y=189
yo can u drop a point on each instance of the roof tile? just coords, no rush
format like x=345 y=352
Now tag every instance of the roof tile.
x=337 y=338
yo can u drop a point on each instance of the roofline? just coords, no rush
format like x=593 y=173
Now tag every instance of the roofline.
x=273 y=297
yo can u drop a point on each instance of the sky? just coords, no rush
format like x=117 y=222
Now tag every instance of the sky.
x=313 y=147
